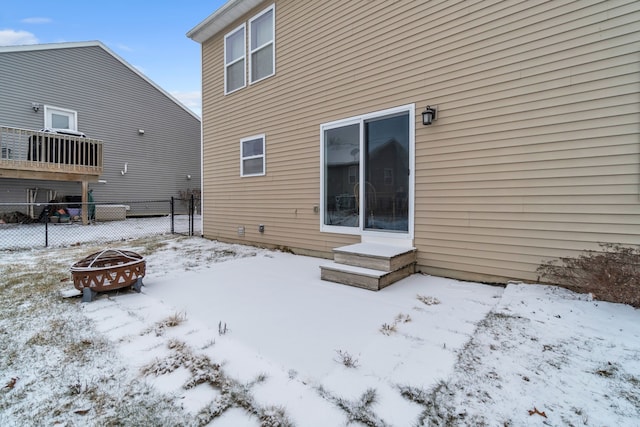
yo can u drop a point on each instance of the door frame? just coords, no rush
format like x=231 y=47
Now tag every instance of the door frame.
x=386 y=236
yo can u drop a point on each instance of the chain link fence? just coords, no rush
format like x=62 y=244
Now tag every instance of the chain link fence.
x=32 y=225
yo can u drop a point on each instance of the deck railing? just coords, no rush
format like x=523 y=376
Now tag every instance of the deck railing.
x=29 y=150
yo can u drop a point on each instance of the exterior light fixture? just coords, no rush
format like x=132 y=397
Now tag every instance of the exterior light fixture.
x=140 y=131
x=35 y=107
x=428 y=115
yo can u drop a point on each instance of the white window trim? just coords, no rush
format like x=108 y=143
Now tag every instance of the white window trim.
x=49 y=109
x=263 y=155
x=273 y=42
x=243 y=57
x=360 y=230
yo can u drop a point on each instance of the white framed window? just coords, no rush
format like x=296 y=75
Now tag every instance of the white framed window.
x=366 y=184
x=60 y=118
x=252 y=156
x=234 y=60
x=262 y=45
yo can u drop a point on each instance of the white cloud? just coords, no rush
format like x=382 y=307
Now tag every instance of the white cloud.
x=36 y=20
x=124 y=47
x=14 y=38
x=191 y=100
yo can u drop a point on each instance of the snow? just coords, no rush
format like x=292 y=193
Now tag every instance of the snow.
x=376 y=249
x=481 y=354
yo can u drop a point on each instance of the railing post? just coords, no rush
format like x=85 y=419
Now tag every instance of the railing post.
x=172 y=216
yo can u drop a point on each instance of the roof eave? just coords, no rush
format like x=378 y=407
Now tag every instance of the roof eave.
x=221 y=18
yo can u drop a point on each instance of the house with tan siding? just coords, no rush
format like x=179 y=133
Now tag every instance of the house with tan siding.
x=314 y=139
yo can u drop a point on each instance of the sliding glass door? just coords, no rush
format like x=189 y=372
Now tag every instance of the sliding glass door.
x=366 y=173
x=386 y=171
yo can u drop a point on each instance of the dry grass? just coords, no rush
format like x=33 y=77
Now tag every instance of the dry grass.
x=427 y=300
x=74 y=377
x=391 y=328
x=233 y=393
x=347 y=359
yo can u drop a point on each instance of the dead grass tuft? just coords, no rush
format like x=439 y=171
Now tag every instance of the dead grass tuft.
x=391 y=328
x=347 y=359
x=427 y=300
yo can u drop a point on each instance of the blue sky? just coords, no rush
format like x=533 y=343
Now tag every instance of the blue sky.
x=150 y=36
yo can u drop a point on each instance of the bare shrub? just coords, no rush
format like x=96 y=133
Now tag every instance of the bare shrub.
x=612 y=274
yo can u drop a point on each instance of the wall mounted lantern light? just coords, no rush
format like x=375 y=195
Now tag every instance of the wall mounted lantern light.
x=429 y=115
x=35 y=107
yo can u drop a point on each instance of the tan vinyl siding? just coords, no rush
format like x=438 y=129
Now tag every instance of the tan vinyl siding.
x=535 y=153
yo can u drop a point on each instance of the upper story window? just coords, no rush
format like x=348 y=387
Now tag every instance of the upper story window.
x=60 y=118
x=252 y=161
x=234 y=60
x=262 y=45
x=260 y=49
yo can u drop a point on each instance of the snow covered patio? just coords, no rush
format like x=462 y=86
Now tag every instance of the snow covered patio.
x=229 y=335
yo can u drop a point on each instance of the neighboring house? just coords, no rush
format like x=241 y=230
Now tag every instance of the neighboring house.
x=146 y=144
x=534 y=153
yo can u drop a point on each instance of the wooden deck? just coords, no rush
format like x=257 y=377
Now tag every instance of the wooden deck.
x=28 y=154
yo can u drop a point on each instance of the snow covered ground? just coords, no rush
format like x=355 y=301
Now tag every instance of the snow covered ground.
x=230 y=335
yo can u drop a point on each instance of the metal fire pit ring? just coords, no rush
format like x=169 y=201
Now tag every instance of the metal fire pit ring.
x=108 y=270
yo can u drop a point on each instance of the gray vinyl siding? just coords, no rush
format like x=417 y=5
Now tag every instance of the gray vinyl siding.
x=535 y=153
x=112 y=102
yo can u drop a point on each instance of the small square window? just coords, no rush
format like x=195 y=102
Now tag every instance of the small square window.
x=252 y=156
x=60 y=118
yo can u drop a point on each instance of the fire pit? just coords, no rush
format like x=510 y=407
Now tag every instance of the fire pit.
x=108 y=270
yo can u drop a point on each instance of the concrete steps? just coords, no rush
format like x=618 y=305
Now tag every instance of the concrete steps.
x=369 y=266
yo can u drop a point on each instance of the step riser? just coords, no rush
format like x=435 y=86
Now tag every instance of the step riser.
x=374 y=262
x=364 y=281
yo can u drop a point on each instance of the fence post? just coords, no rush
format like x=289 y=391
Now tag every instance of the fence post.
x=191 y=218
x=46 y=227
x=172 y=216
